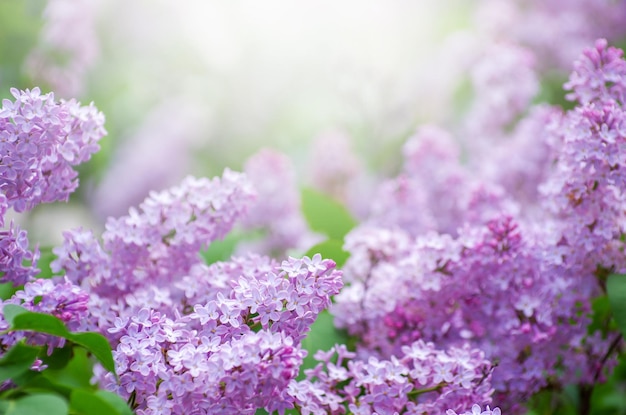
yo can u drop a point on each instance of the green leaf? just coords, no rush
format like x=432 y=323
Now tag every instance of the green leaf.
x=77 y=374
x=223 y=250
x=9 y=311
x=88 y=403
x=601 y=315
x=45 y=258
x=7 y=290
x=616 y=291
x=220 y=250
x=323 y=336
x=115 y=401
x=326 y=215
x=39 y=322
x=59 y=358
x=37 y=405
x=330 y=248
x=98 y=346
x=39 y=382
x=21 y=319
x=17 y=361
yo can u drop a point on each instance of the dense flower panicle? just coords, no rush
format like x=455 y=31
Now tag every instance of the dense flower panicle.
x=161 y=241
x=433 y=182
x=239 y=346
x=586 y=186
x=40 y=142
x=276 y=210
x=452 y=290
x=599 y=75
x=477 y=410
x=421 y=380
x=18 y=264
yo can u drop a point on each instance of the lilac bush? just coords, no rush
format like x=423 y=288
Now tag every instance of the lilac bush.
x=471 y=282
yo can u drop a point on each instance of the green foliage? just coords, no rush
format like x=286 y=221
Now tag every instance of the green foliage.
x=21 y=319
x=45 y=258
x=98 y=403
x=616 y=291
x=64 y=386
x=43 y=403
x=325 y=215
x=17 y=361
x=20 y=22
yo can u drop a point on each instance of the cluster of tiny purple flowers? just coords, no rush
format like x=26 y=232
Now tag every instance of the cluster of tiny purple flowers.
x=41 y=140
x=429 y=298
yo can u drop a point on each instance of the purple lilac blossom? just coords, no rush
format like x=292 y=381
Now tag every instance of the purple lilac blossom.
x=41 y=140
x=477 y=410
x=240 y=350
x=229 y=331
x=160 y=242
x=585 y=187
x=528 y=276
x=452 y=290
x=421 y=380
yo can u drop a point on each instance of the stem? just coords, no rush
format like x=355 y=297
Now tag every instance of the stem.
x=416 y=392
x=587 y=390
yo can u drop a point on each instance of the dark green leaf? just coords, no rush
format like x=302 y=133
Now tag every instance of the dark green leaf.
x=37 y=405
x=98 y=346
x=616 y=291
x=601 y=315
x=326 y=215
x=332 y=249
x=88 y=403
x=7 y=290
x=9 y=311
x=77 y=374
x=17 y=360
x=39 y=382
x=59 y=358
x=115 y=401
x=32 y=321
x=21 y=319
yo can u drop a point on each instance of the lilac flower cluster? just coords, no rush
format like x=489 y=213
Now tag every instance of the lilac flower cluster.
x=161 y=242
x=238 y=350
x=490 y=283
x=423 y=380
x=587 y=186
x=219 y=338
x=477 y=410
x=484 y=262
x=41 y=140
